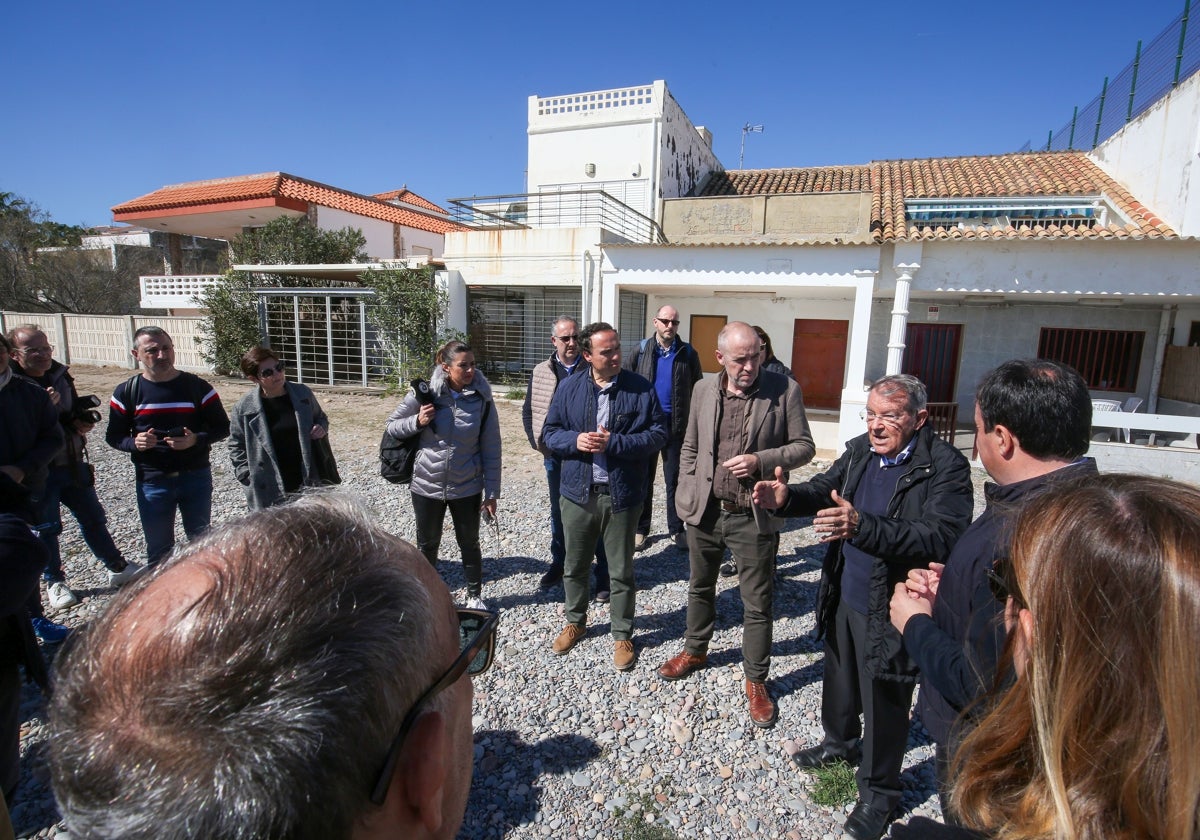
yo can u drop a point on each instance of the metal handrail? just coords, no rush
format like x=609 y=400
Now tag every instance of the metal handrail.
x=565 y=208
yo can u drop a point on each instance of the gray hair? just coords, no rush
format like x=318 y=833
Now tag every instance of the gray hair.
x=562 y=319
x=729 y=329
x=902 y=383
x=20 y=329
x=267 y=708
x=156 y=332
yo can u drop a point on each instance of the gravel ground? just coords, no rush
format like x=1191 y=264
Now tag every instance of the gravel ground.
x=564 y=746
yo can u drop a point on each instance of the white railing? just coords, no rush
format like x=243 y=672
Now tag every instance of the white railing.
x=174 y=291
x=1176 y=424
x=600 y=100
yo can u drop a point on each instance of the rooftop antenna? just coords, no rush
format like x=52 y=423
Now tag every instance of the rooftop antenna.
x=747 y=129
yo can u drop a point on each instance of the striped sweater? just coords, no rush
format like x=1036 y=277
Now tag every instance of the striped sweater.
x=186 y=401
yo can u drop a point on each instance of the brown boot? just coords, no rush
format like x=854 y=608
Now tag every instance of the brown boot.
x=678 y=667
x=566 y=640
x=763 y=711
x=624 y=655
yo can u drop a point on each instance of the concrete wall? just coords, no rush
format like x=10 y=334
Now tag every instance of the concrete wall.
x=686 y=156
x=1155 y=157
x=825 y=218
x=378 y=233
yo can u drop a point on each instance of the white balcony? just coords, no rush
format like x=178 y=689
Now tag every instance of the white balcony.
x=177 y=291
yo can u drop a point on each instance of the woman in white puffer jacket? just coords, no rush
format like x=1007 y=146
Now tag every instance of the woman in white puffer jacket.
x=457 y=466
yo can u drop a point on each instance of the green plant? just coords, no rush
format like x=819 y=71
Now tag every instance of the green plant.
x=409 y=311
x=633 y=824
x=232 y=326
x=834 y=785
x=514 y=393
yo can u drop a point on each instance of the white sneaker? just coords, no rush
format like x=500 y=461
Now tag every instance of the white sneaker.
x=60 y=596
x=131 y=570
x=476 y=604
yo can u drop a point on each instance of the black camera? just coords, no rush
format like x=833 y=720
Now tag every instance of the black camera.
x=84 y=409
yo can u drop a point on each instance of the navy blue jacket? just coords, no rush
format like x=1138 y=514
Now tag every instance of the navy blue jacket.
x=958 y=648
x=637 y=426
x=930 y=509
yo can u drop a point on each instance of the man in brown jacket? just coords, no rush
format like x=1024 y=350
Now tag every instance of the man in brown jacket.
x=744 y=423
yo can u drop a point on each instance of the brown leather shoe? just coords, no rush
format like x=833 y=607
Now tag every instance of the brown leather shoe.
x=624 y=656
x=763 y=711
x=678 y=667
x=566 y=640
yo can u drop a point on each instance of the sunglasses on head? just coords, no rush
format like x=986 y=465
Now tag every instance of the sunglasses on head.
x=477 y=646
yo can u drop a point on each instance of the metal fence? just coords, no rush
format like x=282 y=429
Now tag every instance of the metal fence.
x=1154 y=72
x=565 y=208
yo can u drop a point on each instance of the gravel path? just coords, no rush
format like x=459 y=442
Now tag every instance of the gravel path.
x=565 y=747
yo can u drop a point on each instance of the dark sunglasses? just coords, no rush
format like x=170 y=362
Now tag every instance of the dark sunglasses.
x=565 y=338
x=477 y=645
x=1001 y=584
x=672 y=321
x=271 y=371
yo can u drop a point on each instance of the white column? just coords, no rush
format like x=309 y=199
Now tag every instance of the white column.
x=1166 y=325
x=854 y=392
x=895 y=354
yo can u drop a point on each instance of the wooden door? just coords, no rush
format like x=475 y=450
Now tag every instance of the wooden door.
x=819 y=360
x=931 y=354
x=702 y=335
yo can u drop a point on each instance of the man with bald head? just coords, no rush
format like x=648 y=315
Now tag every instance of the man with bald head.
x=297 y=674
x=744 y=424
x=673 y=368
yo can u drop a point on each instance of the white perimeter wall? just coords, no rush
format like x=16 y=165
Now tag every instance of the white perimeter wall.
x=378 y=233
x=686 y=159
x=1155 y=156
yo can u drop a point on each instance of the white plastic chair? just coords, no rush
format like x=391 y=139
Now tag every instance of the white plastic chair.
x=1130 y=405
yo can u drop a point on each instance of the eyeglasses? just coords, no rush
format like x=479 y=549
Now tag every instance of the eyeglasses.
x=672 y=321
x=37 y=351
x=1001 y=583
x=271 y=371
x=891 y=418
x=566 y=338
x=477 y=645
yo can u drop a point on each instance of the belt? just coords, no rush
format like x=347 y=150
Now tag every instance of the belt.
x=730 y=507
x=600 y=490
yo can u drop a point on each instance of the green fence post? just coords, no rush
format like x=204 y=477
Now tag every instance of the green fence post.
x=1187 y=4
x=1137 y=59
x=1100 y=114
x=1074 y=119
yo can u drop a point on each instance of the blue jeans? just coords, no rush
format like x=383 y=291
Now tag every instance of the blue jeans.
x=558 y=545
x=81 y=500
x=189 y=492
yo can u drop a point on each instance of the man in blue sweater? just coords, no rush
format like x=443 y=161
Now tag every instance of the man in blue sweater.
x=167 y=420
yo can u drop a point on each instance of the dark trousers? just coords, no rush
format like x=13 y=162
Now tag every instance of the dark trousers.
x=464 y=513
x=847 y=691
x=558 y=544
x=80 y=499
x=670 y=459
x=755 y=553
x=585 y=524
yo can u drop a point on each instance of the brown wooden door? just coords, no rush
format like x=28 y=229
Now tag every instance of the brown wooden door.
x=819 y=360
x=702 y=335
x=931 y=354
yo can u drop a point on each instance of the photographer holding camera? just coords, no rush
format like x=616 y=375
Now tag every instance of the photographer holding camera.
x=71 y=479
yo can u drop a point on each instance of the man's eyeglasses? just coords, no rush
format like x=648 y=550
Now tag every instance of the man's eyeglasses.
x=48 y=350
x=477 y=645
x=271 y=371
x=672 y=321
x=891 y=418
x=567 y=338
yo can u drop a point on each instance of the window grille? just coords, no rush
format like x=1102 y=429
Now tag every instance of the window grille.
x=510 y=327
x=1108 y=360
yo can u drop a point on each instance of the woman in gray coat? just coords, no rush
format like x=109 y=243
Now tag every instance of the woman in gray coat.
x=457 y=466
x=271 y=433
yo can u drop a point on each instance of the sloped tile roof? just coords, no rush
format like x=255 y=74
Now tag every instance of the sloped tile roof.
x=409 y=197
x=284 y=188
x=893 y=182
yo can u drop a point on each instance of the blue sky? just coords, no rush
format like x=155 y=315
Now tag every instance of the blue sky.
x=108 y=101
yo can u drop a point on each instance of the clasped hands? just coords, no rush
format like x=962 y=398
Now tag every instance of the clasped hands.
x=916 y=595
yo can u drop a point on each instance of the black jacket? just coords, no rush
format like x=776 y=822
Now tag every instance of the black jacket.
x=685 y=373
x=930 y=509
x=958 y=648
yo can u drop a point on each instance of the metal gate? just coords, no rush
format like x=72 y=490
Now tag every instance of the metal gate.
x=325 y=335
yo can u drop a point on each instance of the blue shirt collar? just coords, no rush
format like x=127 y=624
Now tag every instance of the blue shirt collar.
x=901 y=456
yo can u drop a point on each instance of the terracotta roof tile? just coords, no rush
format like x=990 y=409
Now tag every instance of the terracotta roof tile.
x=409 y=197
x=282 y=187
x=817 y=179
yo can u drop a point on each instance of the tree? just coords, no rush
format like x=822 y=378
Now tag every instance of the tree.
x=43 y=268
x=408 y=310
x=231 y=326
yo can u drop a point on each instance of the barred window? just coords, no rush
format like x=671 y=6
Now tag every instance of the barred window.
x=1108 y=360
